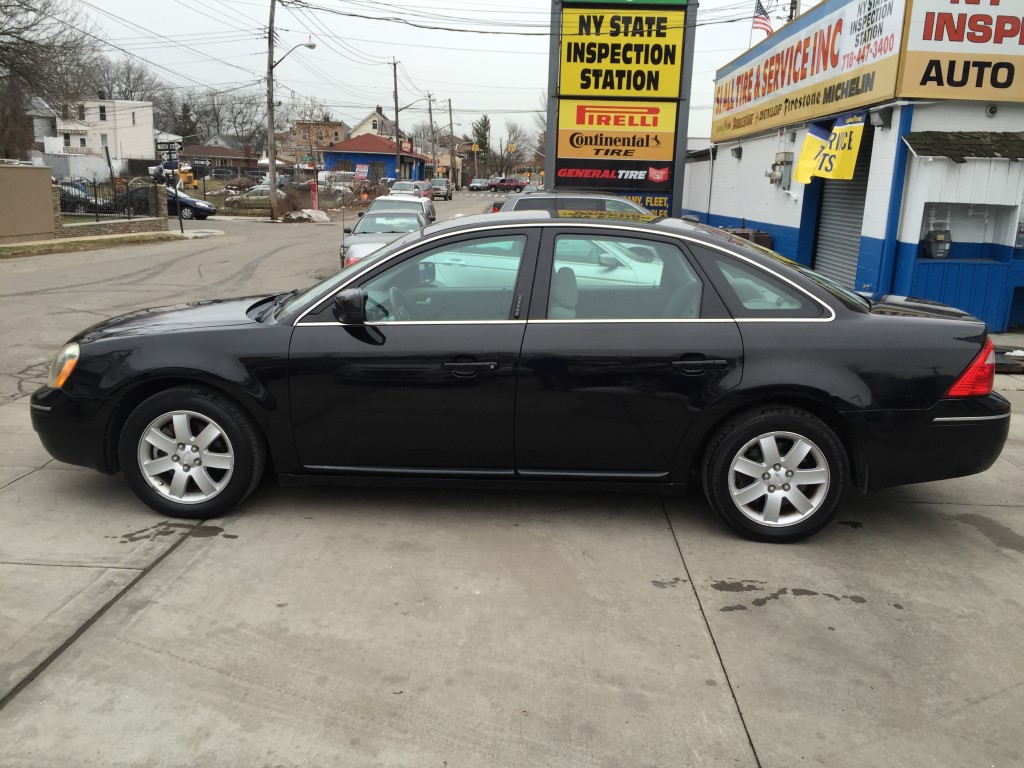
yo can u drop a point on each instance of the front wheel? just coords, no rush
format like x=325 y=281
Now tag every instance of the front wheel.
x=191 y=453
x=186 y=213
x=776 y=474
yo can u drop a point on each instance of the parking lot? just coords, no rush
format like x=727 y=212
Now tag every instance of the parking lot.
x=359 y=627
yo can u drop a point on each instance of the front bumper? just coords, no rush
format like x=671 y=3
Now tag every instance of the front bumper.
x=955 y=438
x=74 y=429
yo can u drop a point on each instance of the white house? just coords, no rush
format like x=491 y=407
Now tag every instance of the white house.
x=125 y=128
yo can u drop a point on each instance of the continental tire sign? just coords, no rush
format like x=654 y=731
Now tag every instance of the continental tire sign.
x=961 y=50
x=616 y=130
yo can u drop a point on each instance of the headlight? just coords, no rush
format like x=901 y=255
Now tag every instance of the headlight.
x=62 y=366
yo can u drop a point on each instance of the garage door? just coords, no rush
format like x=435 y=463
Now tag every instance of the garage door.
x=840 y=219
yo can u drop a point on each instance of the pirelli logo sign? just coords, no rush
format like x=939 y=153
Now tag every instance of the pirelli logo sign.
x=616 y=130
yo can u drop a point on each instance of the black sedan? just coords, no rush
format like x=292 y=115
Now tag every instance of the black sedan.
x=191 y=208
x=539 y=350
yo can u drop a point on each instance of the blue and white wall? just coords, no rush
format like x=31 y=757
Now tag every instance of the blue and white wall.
x=981 y=200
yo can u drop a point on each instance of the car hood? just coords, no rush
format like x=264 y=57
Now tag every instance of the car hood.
x=197 y=315
x=908 y=306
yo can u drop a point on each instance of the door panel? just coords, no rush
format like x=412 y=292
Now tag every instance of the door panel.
x=610 y=389
x=427 y=385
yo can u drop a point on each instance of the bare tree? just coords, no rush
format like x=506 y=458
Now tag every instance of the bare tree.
x=246 y=113
x=127 y=79
x=38 y=52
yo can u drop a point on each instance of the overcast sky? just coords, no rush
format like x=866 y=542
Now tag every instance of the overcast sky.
x=499 y=68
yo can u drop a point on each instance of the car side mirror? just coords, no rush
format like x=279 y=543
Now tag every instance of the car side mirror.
x=360 y=213
x=347 y=230
x=427 y=272
x=350 y=306
x=607 y=260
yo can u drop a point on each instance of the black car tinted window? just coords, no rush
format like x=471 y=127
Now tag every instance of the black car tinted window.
x=620 y=278
x=751 y=292
x=535 y=204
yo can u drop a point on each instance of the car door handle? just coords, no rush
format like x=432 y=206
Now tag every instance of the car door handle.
x=470 y=369
x=700 y=364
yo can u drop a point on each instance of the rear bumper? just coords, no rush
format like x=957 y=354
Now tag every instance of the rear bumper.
x=953 y=439
x=73 y=429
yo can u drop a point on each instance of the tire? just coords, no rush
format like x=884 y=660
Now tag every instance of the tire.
x=774 y=508
x=494 y=189
x=186 y=212
x=222 y=473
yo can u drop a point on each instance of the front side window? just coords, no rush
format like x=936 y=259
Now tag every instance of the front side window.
x=620 y=278
x=472 y=280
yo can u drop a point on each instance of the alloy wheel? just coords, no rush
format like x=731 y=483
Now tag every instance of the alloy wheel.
x=186 y=457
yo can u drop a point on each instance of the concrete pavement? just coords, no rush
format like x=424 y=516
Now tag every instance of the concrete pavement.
x=397 y=628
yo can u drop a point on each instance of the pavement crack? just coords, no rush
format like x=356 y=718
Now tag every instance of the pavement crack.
x=56 y=654
x=711 y=634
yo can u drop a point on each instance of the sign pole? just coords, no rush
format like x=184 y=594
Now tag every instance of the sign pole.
x=551 y=137
x=683 y=118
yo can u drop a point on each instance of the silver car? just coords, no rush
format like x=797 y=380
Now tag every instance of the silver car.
x=405 y=204
x=376 y=229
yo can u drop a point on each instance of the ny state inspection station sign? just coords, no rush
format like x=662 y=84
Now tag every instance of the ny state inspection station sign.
x=620 y=84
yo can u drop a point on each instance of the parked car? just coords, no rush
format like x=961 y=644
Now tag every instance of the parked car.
x=414 y=188
x=572 y=201
x=506 y=184
x=256 y=197
x=442 y=188
x=74 y=200
x=478 y=184
x=135 y=201
x=404 y=203
x=222 y=173
x=773 y=387
x=191 y=208
x=373 y=230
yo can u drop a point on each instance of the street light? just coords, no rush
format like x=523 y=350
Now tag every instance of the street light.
x=398 y=138
x=271 y=149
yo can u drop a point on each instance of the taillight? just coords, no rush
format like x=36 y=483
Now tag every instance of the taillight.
x=495 y=207
x=977 y=380
x=350 y=260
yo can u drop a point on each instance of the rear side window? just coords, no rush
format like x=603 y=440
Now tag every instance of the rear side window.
x=751 y=292
x=535 y=204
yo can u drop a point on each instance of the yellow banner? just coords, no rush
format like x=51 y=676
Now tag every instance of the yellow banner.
x=632 y=130
x=621 y=53
x=831 y=154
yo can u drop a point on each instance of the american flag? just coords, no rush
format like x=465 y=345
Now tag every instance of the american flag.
x=761 y=20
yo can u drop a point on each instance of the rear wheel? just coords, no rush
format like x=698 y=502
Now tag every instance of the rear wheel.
x=191 y=453
x=776 y=474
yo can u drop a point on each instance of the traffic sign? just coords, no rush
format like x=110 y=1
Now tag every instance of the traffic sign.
x=169 y=155
x=169 y=146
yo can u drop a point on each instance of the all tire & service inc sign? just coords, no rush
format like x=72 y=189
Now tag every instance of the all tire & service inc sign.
x=621 y=72
x=841 y=56
x=834 y=58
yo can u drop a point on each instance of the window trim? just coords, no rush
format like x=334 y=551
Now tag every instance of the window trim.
x=683 y=238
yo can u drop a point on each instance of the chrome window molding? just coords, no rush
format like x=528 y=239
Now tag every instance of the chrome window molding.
x=386 y=323
x=948 y=419
x=589 y=226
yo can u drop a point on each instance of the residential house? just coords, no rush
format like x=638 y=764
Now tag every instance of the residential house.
x=123 y=128
x=222 y=151
x=309 y=138
x=375 y=124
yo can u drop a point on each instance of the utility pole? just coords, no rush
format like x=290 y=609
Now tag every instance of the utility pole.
x=433 y=136
x=451 y=146
x=398 y=145
x=794 y=9
x=271 y=150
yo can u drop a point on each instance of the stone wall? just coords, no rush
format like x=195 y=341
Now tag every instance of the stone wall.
x=156 y=223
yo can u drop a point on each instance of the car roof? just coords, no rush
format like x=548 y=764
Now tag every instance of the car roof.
x=564 y=193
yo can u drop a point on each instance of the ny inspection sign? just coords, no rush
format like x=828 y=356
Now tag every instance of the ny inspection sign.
x=621 y=76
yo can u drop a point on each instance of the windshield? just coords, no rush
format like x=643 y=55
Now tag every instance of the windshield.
x=385 y=224
x=439 y=183
x=403 y=186
x=384 y=204
x=317 y=291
